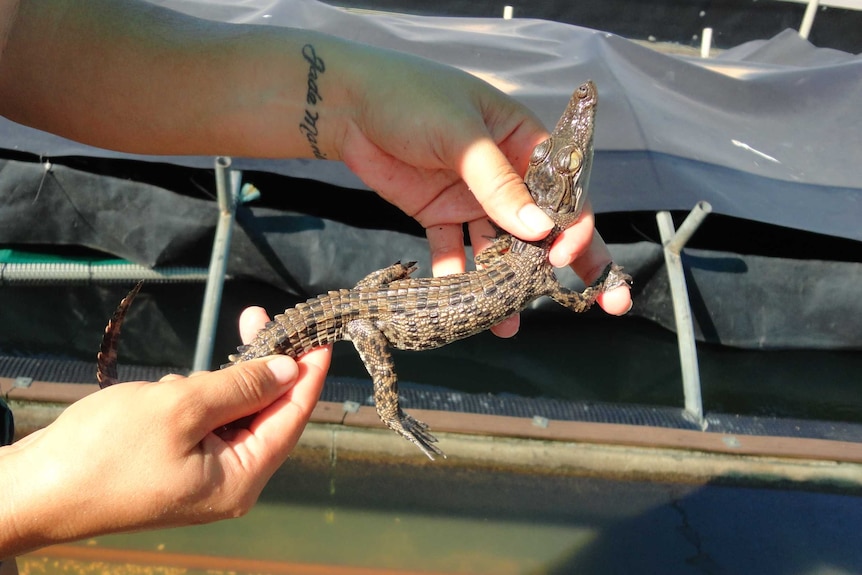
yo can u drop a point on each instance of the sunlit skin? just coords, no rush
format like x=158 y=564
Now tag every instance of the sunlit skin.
x=182 y=470
x=161 y=88
x=134 y=77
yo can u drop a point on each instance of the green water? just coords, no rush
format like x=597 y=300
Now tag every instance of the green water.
x=390 y=540
x=445 y=519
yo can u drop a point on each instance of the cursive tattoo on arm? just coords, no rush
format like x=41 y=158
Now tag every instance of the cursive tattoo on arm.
x=308 y=125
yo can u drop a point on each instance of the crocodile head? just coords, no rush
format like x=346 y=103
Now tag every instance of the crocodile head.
x=560 y=166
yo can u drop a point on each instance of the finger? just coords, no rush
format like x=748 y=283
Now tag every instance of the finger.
x=313 y=367
x=276 y=430
x=508 y=327
x=446 y=243
x=574 y=241
x=591 y=261
x=171 y=377
x=501 y=191
x=618 y=301
x=251 y=321
x=582 y=247
x=589 y=265
x=221 y=397
x=482 y=234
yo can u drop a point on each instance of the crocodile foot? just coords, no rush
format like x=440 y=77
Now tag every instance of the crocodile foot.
x=417 y=433
x=614 y=277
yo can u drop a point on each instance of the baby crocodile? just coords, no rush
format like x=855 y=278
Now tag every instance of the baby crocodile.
x=389 y=309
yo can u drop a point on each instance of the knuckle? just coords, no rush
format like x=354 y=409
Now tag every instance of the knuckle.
x=505 y=186
x=173 y=399
x=248 y=381
x=239 y=504
x=243 y=506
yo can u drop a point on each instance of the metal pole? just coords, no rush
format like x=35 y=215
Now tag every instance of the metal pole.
x=227 y=188
x=688 y=227
x=808 y=18
x=673 y=242
x=705 y=42
x=36 y=273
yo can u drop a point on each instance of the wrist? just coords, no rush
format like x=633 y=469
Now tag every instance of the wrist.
x=19 y=530
x=42 y=503
x=332 y=77
x=291 y=96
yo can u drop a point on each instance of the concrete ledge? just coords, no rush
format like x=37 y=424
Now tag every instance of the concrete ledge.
x=512 y=443
x=617 y=434
x=583 y=458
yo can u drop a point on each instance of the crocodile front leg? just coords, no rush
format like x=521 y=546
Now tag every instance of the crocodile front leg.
x=489 y=255
x=373 y=348
x=396 y=271
x=612 y=277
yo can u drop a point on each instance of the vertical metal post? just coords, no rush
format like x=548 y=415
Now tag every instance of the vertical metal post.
x=227 y=188
x=808 y=18
x=673 y=242
x=705 y=42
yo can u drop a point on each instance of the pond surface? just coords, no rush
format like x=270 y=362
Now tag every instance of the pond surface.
x=407 y=518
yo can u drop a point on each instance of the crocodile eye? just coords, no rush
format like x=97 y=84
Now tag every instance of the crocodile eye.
x=582 y=91
x=568 y=160
x=540 y=152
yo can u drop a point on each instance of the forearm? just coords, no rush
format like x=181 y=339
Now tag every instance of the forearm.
x=23 y=526
x=10 y=539
x=138 y=78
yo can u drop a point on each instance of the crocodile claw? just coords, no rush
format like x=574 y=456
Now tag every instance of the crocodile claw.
x=613 y=277
x=417 y=433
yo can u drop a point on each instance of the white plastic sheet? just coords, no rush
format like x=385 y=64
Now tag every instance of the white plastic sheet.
x=770 y=131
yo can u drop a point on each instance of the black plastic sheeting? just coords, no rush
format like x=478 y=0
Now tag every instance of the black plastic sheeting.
x=342 y=389
x=769 y=132
x=749 y=301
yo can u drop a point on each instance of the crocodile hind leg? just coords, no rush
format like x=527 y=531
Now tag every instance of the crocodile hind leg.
x=373 y=348
x=613 y=276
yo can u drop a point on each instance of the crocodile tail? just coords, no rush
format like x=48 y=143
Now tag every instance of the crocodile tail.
x=106 y=361
x=235 y=357
x=316 y=322
x=272 y=339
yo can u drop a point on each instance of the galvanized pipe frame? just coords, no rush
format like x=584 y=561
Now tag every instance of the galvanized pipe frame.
x=228 y=189
x=673 y=242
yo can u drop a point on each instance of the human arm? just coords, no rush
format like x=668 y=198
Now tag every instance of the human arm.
x=139 y=78
x=152 y=455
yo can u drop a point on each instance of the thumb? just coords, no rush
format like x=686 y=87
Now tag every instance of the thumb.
x=502 y=192
x=240 y=390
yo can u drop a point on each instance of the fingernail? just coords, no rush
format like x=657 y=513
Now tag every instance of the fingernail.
x=559 y=256
x=283 y=368
x=535 y=219
x=557 y=261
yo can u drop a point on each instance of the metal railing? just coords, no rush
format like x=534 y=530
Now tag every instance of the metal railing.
x=672 y=243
